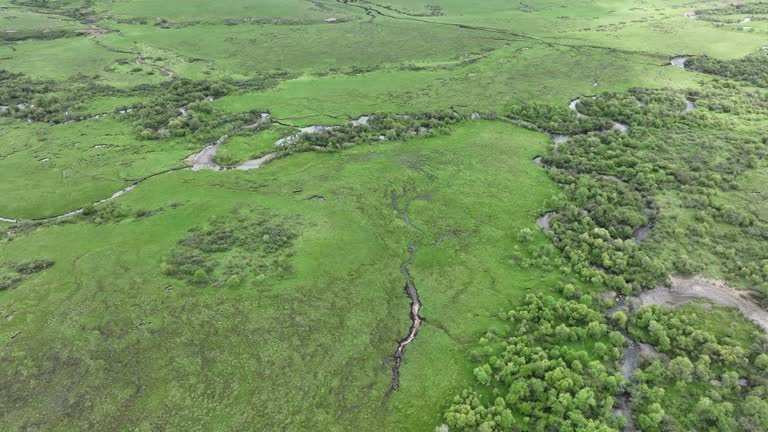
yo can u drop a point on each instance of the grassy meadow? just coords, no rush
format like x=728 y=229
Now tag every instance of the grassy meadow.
x=274 y=299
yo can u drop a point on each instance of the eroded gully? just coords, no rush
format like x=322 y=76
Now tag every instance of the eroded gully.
x=410 y=290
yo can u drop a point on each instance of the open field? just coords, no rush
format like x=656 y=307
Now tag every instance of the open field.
x=343 y=301
x=382 y=215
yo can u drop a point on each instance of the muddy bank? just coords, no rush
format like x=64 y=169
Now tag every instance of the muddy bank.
x=545 y=221
x=689 y=106
x=574 y=105
x=206 y=158
x=559 y=139
x=256 y=163
x=685 y=290
x=308 y=130
x=641 y=233
x=416 y=319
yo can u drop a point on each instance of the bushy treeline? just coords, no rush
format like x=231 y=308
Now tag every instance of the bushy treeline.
x=183 y=108
x=249 y=243
x=47 y=101
x=21 y=35
x=555 y=372
x=723 y=12
x=612 y=182
x=557 y=119
x=13 y=273
x=752 y=69
x=711 y=377
x=379 y=127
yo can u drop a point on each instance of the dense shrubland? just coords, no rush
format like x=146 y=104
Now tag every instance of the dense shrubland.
x=13 y=273
x=679 y=172
x=713 y=376
x=180 y=108
x=752 y=69
x=725 y=12
x=556 y=119
x=555 y=370
x=612 y=181
x=47 y=101
x=184 y=109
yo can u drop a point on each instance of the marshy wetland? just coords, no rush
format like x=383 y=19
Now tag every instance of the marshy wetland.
x=383 y=215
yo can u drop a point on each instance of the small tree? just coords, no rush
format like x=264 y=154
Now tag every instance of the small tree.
x=761 y=362
x=200 y=277
x=681 y=368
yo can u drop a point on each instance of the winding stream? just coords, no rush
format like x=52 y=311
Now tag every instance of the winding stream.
x=206 y=158
x=115 y=195
x=574 y=105
x=678 y=61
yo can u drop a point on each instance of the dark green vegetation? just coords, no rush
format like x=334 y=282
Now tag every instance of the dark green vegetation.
x=395 y=144
x=672 y=158
x=552 y=369
x=252 y=245
x=752 y=69
x=708 y=377
x=14 y=273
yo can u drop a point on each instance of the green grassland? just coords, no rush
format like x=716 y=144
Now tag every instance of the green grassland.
x=342 y=306
x=273 y=299
x=50 y=170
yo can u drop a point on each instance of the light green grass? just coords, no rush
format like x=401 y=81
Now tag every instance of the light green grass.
x=76 y=172
x=491 y=84
x=250 y=146
x=196 y=10
x=256 y=351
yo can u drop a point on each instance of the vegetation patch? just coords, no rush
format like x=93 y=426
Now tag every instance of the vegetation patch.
x=14 y=273
x=555 y=370
x=714 y=375
x=249 y=246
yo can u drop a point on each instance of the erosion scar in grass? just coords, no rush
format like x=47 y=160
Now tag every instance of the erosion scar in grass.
x=413 y=295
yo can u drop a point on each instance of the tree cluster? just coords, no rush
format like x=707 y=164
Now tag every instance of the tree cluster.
x=712 y=377
x=556 y=372
x=247 y=243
